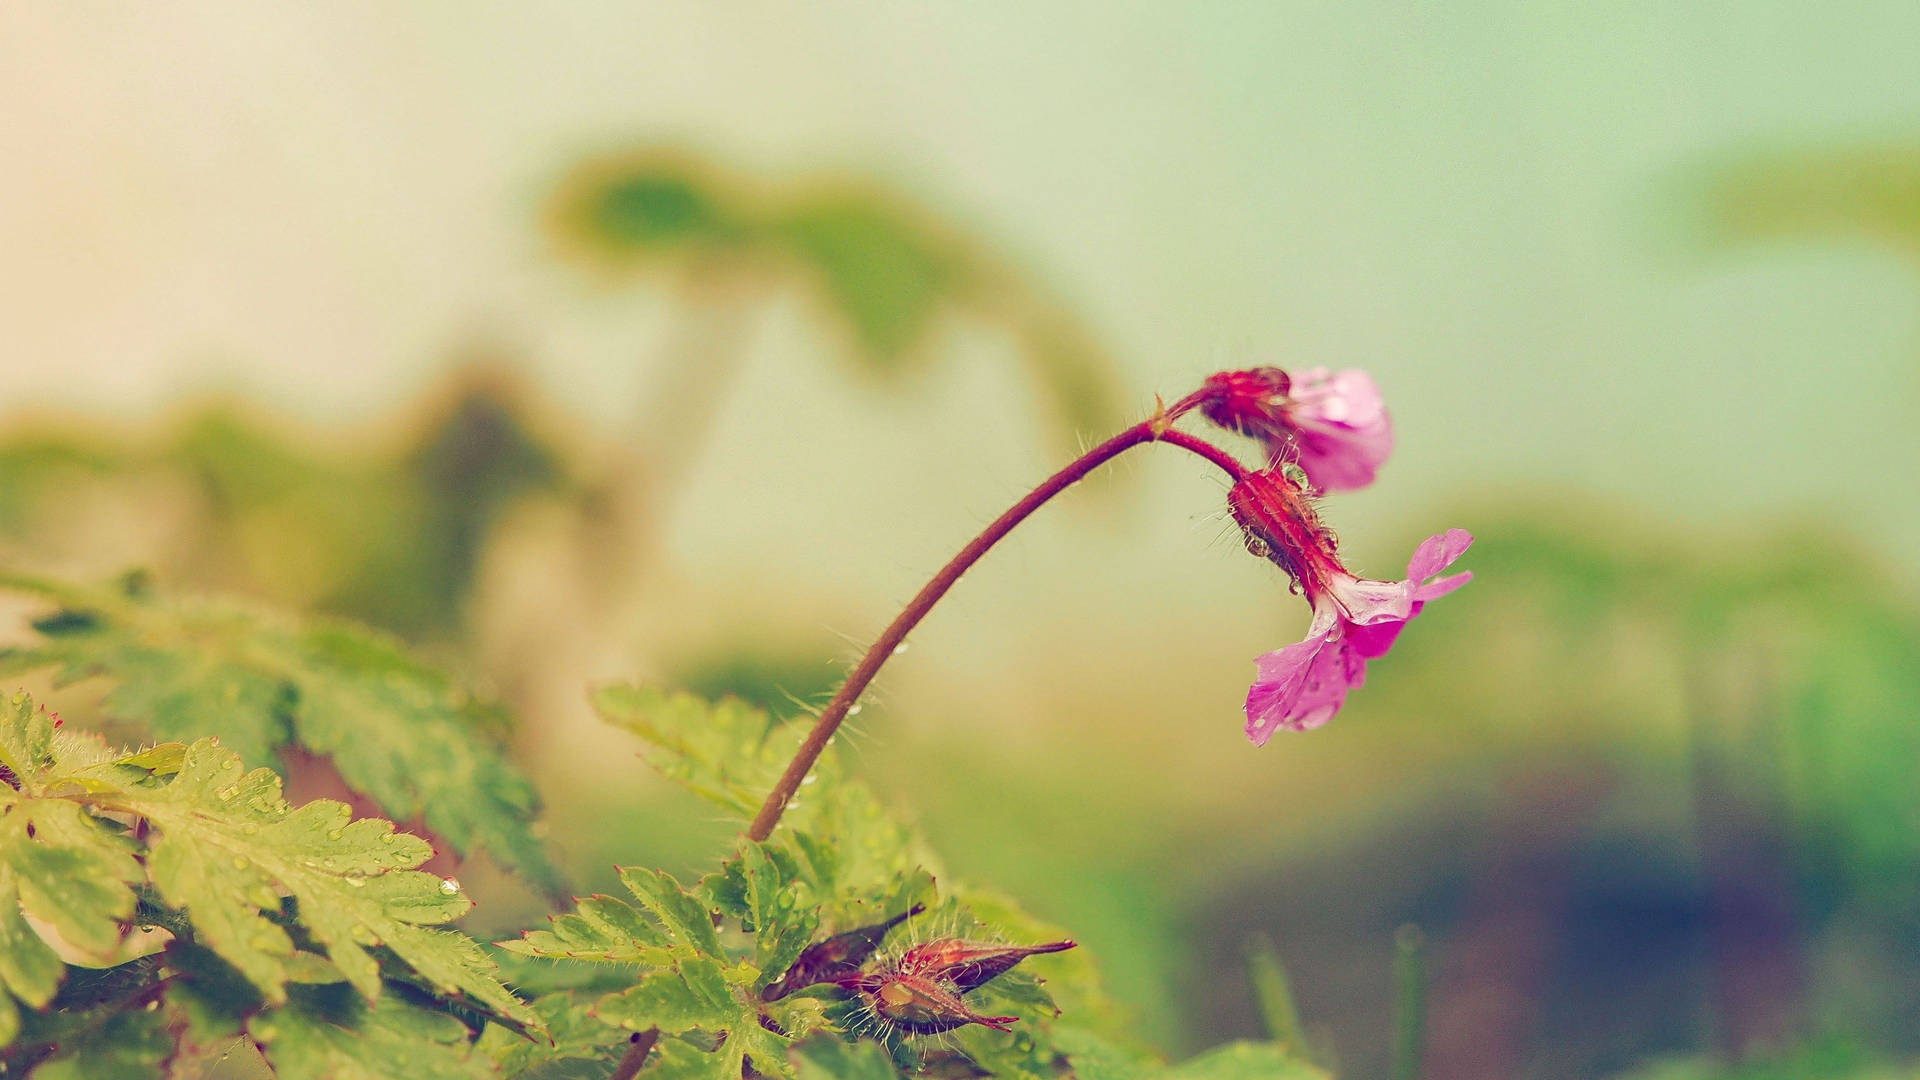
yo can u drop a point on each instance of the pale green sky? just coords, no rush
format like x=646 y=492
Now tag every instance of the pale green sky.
x=315 y=201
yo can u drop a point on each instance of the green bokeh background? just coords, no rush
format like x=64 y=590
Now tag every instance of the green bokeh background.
x=683 y=342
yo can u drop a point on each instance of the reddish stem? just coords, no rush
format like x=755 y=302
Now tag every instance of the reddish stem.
x=1153 y=429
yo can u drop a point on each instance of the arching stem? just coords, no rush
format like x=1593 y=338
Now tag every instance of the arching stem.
x=1154 y=429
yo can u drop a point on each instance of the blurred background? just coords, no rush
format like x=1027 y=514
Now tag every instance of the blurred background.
x=683 y=342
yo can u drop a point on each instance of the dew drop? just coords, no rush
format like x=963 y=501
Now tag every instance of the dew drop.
x=335 y=834
x=356 y=877
x=854 y=710
x=900 y=648
x=152 y=1005
x=449 y=886
x=239 y=863
x=386 y=838
x=227 y=794
x=249 y=828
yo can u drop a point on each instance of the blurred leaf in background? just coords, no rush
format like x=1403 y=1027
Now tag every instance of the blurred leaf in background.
x=882 y=269
x=1869 y=190
x=389 y=530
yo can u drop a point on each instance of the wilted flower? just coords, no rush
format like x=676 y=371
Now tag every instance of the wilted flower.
x=1355 y=619
x=1334 y=425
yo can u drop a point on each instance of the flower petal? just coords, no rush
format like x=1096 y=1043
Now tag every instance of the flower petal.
x=1436 y=553
x=1364 y=601
x=1372 y=641
x=1438 y=587
x=1301 y=686
x=1341 y=427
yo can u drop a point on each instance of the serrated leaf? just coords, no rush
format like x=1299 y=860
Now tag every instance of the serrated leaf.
x=69 y=872
x=224 y=846
x=579 y=1046
x=755 y=889
x=698 y=996
x=675 y=1001
x=727 y=752
x=394 y=729
x=228 y=843
x=685 y=919
x=605 y=929
x=328 y=1035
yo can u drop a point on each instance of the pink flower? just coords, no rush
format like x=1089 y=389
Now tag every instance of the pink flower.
x=1355 y=619
x=1334 y=425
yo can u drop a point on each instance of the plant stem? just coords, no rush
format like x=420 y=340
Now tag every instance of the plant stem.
x=1153 y=429
x=1409 y=1002
x=637 y=1050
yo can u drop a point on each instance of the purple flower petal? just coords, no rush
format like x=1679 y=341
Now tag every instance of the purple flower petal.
x=1341 y=429
x=1436 y=553
x=1301 y=686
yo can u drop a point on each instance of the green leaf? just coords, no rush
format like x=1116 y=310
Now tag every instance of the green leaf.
x=686 y=920
x=699 y=996
x=324 y=1034
x=631 y=208
x=600 y=928
x=885 y=270
x=1244 y=1061
x=836 y=1059
x=228 y=840
x=68 y=870
x=726 y=752
x=394 y=729
x=224 y=846
x=582 y=1046
x=676 y=1001
x=754 y=889
x=1093 y=1058
x=129 y=1045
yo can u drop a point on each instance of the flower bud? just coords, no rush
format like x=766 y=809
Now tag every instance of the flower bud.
x=965 y=965
x=1281 y=525
x=1334 y=425
x=918 y=1005
x=836 y=958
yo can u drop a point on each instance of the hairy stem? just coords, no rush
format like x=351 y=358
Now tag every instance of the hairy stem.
x=637 y=1050
x=1154 y=429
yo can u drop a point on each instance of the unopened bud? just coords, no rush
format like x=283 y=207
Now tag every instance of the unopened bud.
x=1249 y=402
x=1280 y=523
x=965 y=965
x=836 y=958
x=918 y=1005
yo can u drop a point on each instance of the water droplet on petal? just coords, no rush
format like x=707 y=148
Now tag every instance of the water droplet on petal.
x=449 y=886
